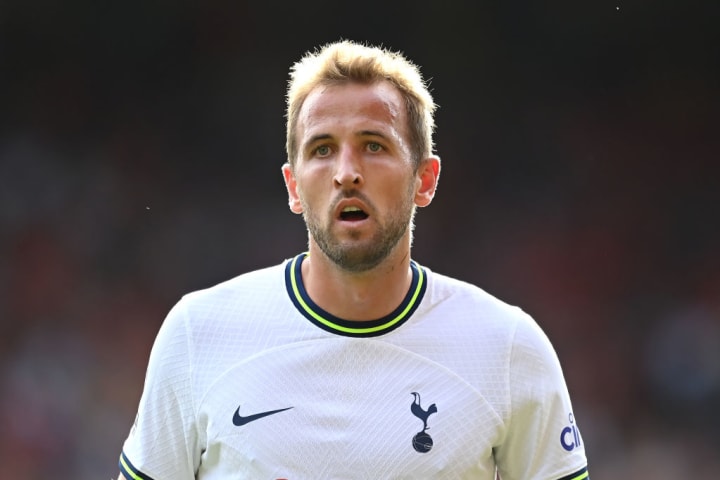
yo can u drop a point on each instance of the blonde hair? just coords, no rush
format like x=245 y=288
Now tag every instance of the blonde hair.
x=348 y=61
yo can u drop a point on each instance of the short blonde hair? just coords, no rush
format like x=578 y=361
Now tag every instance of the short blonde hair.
x=348 y=61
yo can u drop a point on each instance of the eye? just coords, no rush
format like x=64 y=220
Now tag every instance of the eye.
x=322 y=151
x=374 y=147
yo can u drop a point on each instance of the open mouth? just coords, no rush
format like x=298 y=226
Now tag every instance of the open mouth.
x=352 y=214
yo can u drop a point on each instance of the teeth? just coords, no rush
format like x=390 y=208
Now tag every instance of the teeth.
x=351 y=209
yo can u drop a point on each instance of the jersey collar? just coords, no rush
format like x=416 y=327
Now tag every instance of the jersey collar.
x=371 y=328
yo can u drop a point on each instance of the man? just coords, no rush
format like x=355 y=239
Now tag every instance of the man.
x=351 y=360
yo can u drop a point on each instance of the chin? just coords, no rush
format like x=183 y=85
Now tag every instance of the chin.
x=357 y=258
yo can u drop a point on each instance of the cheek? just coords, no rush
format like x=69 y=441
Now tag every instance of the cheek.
x=314 y=177
x=403 y=184
x=307 y=192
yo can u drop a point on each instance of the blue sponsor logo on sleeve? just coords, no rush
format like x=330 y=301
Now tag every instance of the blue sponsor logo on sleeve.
x=570 y=436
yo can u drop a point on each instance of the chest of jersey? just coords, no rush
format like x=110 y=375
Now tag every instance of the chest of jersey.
x=344 y=408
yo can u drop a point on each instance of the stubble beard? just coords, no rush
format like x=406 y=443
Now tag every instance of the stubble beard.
x=357 y=256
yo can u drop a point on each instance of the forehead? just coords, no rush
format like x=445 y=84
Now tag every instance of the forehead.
x=379 y=104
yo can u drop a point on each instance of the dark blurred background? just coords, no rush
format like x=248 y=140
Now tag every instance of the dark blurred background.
x=140 y=154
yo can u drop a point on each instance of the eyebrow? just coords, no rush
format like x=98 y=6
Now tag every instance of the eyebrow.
x=316 y=138
x=327 y=136
x=371 y=133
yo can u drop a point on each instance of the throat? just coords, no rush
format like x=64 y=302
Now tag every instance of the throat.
x=363 y=297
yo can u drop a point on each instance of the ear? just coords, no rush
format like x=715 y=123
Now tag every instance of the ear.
x=291 y=184
x=428 y=175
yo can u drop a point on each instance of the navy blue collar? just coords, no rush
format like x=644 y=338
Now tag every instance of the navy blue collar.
x=370 y=328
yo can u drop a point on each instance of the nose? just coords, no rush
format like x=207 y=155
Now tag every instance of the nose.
x=348 y=169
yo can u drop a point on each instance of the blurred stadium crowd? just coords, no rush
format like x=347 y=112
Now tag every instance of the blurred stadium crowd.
x=140 y=153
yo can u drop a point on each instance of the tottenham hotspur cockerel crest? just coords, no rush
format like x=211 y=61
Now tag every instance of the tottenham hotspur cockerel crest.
x=422 y=442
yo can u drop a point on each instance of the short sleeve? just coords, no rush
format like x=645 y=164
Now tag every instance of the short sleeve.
x=543 y=440
x=163 y=443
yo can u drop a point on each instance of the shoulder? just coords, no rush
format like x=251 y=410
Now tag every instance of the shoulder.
x=509 y=336
x=469 y=302
x=493 y=320
x=206 y=310
x=258 y=287
x=492 y=330
x=246 y=284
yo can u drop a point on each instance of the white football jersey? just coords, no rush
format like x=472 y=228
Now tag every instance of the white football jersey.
x=250 y=379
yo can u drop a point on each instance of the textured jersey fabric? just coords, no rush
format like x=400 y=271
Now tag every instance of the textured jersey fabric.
x=251 y=379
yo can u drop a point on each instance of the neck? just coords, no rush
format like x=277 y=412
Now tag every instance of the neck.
x=361 y=296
